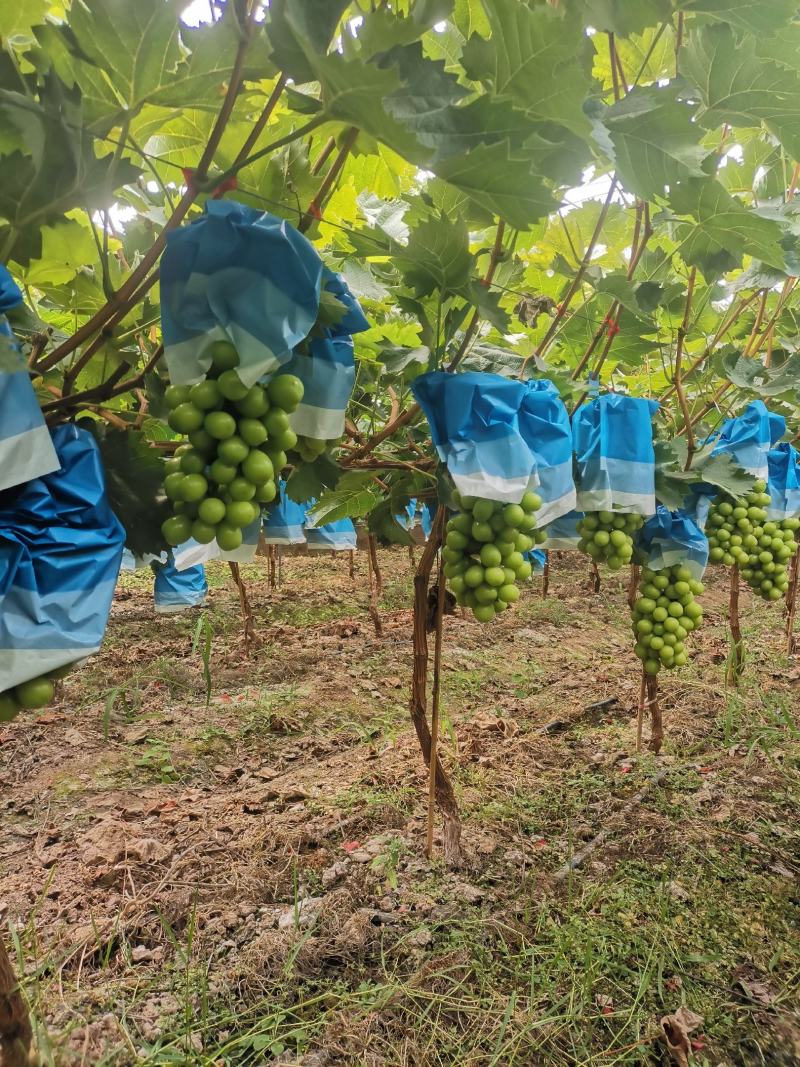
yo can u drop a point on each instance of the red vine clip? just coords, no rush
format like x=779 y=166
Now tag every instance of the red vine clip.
x=314 y=211
x=612 y=327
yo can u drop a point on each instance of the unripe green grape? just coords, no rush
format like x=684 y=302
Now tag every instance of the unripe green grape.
x=483 y=612
x=483 y=510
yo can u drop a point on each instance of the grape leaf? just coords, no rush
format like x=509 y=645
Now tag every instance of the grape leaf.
x=354 y=497
x=741 y=88
x=59 y=170
x=722 y=229
x=537 y=57
x=624 y=17
x=725 y=473
x=751 y=374
x=384 y=525
x=18 y=19
x=744 y=15
x=134 y=474
x=437 y=256
x=310 y=480
x=654 y=141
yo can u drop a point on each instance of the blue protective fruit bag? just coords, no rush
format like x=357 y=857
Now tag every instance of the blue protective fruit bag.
x=284 y=522
x=178 y=590
x=427 y=515
x=562 y=533
x=499 y=437
x=545 y=426
x=26 y=448
x=672 y=537
x=337 y=536
x=328 y=369
x=783 y=482
x=408 y=518
x=537 y=558
x=749 y=437
x=239 y=275
x=614 y=455
x=60 y=554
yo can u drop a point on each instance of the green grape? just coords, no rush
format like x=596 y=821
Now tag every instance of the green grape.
x=740 y=532
x=606 y=536
x=483 y=552
x=661 y=623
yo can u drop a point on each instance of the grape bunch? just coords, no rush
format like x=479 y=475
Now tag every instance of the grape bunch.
x=607 y=536
x=739 y=532
x=310 y=448
x=238 y=440
x=483 y=551
x=664 y=614
x=31 y=695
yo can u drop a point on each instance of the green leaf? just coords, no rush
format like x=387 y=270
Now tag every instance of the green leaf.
x=629 y=347
x=739 y=87
x=66 y=248
x=362 y=282
x=134 y=474
x=18 y=17
x=783 y=376
x=60 y=170
x=747 y=17
x=385 y=526
x=654 y=142
x=310 y=480
x=487 y=302
x=535 y=56
x=136 y=44
x=201 y=79
x=722 y=229
x=494 y=360
x=397 y=360
x=298 y=26
x=672 y=482
x=639 y=297
x=353 y=91
x=724 y=472
x=383 y=29
x=354 y=497
x=437 y=256
x=624 y=17
x=502 y=184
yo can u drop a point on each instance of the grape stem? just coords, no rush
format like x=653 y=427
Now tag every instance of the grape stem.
x=736 y=658
x=445 y=796
x=640 y=715
x=656 y=721
x=375 y=583
x=248 y=627
x=791 y=603
x=437 y=667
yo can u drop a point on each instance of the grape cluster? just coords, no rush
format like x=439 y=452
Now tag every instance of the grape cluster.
x=30 y=695
x=739 y=532
x=607 y=536
x=664 y=615
x=310 y=448
x=483 y=551
x=238 y=440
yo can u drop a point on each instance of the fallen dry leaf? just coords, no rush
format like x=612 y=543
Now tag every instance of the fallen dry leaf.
x=676 y=1029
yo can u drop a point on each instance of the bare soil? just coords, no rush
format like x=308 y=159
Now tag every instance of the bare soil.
x=242 y=881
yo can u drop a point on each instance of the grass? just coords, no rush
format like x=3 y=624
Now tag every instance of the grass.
x=406 y=962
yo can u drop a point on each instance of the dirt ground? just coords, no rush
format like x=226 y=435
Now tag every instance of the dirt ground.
x=243 y=881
